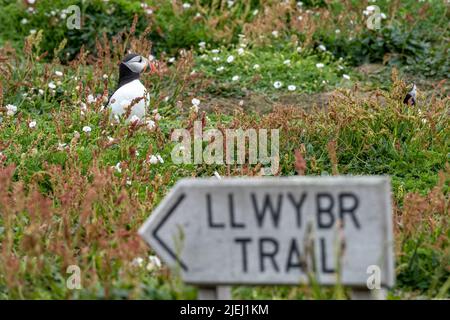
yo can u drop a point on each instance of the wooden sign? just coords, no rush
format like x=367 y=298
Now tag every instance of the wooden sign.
x=276 y=230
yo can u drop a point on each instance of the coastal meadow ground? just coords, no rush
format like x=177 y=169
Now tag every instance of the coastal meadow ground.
x=76 y=185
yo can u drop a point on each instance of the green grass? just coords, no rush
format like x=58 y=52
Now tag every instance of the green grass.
x=258 y=70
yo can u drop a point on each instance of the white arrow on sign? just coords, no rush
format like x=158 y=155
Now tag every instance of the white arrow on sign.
x=276 y=230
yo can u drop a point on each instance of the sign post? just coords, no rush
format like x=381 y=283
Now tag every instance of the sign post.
x=270 y=231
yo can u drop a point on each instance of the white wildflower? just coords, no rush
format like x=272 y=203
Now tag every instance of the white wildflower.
x=277 y=84
x=10 y=109
x=230 y=59
x=153 y=159
x=292 y=88
x=150 y=124
x=32 y=124
x=153 y=263
x=320 y=65
x=137 y=262
x=51 y=85
x=369 y=10
x=135 y=119
x=195 y=102
x=91 y=99
x=61 y=146
x=118 y=167
x=87 y=129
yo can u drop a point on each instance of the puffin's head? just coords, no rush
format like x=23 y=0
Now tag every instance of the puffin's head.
x=132 y=66
x=135 y=63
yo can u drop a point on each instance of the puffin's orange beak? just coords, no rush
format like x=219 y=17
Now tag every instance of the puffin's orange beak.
x=152 y=67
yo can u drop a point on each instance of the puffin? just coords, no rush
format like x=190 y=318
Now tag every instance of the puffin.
x=410 y=98
x=130 y=91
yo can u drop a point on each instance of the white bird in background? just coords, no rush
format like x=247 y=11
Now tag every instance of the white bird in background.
x=410 y=98
x=130 y=91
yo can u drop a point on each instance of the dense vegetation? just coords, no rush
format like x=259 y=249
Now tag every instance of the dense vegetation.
x=75 y=187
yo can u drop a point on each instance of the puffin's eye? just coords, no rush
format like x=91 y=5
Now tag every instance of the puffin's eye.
x=140 y=59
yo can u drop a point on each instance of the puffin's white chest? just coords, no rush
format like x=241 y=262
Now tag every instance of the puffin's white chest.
x=123 y=97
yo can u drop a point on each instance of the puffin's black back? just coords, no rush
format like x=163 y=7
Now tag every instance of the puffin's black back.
x=125 y=74
x=409 y=99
